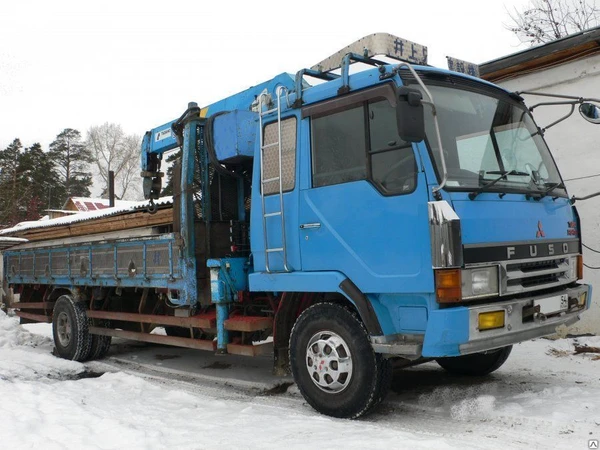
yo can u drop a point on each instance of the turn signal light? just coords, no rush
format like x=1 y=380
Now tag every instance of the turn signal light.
x=448 y=285
x=582 y=299
x=580 y=267
x=491 y=320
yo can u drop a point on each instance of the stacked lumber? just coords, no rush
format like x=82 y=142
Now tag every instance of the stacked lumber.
x=117 y=222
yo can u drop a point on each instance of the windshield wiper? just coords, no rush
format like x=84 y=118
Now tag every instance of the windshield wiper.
x=544 y=193
x=485 y=187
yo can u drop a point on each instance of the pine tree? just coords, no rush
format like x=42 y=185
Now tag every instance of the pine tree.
x=40 y=183
x=168 y=188
x=72 y=159
x=9 y=177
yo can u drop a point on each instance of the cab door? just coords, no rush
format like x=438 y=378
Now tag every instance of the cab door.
x=363 y=210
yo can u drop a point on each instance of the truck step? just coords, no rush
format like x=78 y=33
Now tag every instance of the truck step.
x=248 y=323
x=250 y=350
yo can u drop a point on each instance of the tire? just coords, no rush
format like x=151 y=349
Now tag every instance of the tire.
x=70 y=329
x=99 y=347
x=477 y=364
x=351 y=379
x=100 y=344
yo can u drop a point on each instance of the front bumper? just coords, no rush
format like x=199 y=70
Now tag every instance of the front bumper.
x=454 y=331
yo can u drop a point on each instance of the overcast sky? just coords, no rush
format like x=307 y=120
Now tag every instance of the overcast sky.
x=74 y=64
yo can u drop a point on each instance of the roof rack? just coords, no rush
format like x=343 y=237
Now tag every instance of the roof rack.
x=377 y=44
x=363 y=50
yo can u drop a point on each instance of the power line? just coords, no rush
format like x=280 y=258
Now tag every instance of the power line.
x=582 y=178
x=590 y=248
x=593 y=250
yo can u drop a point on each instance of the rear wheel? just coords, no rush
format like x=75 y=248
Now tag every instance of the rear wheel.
x=333 y=362
x=70 y=329
x=477 y=364
x=100 y=344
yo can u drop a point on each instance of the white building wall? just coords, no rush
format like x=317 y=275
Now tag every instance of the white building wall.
x=575 y=144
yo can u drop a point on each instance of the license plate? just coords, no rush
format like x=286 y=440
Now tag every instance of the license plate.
x=552 y=304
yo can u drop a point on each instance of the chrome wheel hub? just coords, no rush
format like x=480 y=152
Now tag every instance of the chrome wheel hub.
x=63 y=328
x=329 y=362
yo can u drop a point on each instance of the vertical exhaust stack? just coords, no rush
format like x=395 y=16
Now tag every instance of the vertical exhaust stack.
x=111 y=188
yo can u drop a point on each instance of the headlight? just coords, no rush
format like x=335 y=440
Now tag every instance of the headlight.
x=479 y=282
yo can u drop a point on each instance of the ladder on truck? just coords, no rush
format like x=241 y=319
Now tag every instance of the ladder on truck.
x=264 y=109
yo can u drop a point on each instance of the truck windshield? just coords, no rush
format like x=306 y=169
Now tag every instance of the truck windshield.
x=487 y=135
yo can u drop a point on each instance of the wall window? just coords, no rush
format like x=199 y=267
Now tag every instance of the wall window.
x=271 y=155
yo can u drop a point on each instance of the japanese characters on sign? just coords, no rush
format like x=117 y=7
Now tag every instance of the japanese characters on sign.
x=458 y=65
x=405 y=50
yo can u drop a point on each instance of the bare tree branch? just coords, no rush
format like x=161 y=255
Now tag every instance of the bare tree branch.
x=113 y=150
x=544 y=21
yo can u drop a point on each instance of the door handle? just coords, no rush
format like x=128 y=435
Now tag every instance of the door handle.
x=305 y=226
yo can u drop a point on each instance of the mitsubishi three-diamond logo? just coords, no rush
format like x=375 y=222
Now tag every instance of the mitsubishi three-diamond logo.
x=540 y=231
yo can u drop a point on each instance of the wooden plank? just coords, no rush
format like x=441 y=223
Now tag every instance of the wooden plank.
x=32 y=305
x=117 y=222
x=248 y=323
x=199 y=344
x=36 y=317
x=199 y=321
x=250 y=350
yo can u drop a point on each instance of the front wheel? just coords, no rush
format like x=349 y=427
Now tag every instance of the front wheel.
x=333 y=363
x=477 y=364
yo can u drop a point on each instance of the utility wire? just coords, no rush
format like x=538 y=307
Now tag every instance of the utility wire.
x=583 y=178
x=593 y=250
x=590 y=248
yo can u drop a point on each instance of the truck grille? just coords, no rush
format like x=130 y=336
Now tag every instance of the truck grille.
x=524 y=276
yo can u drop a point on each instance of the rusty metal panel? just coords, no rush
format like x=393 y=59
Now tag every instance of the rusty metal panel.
x=26 y=265
x=42 y=264
x=157 y=259
x=80 y=262
x=103 y=261
x=60 y=264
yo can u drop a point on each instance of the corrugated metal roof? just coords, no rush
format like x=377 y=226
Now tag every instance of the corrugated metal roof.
x=539 y=57
x=85 y=216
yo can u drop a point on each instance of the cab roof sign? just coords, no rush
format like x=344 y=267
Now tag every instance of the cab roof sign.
x=466 y=67
x=377 y=44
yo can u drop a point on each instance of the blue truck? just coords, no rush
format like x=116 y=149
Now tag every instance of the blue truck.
x=343 y=222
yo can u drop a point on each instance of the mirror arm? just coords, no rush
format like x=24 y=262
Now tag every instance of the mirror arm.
x=436 y=189
x=566 y=116
x=573 y=199
x=546 y=94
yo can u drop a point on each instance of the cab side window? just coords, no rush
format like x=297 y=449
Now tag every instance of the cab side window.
x=360 y=141
x=338 y=147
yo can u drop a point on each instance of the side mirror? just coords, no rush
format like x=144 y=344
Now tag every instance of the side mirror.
x=590 y=112
x=409 y=114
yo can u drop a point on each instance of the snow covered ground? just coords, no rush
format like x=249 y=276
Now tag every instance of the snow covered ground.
x=154 y=397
